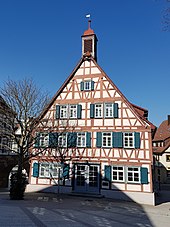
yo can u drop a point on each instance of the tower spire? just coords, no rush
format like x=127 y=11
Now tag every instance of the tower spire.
x=89 y=41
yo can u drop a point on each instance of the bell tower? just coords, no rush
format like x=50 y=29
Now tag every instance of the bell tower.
x=89 y=42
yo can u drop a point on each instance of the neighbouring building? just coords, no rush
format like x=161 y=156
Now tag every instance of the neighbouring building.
x=91 y=139
x=161 y=151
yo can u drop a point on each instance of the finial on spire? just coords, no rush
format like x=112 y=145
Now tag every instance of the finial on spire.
x=89 y=21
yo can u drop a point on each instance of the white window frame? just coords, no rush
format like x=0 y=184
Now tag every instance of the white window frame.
x=128 y=140
x=44 y=139
x=63 y=111
x=81 y=139
x=62 y=140
x=108 y=110
x=119 y=173
x=72 y=111
x=98 y=110
x=87 y=85
x=50 y=170
x=44 y=170
x=131 y=172
x=107 y=136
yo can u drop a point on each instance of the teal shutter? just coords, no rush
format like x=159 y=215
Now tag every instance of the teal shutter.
x=72 y=139
x=57 y=112
x=92 y=106
x=115 y=110
x=53 y=139
x=37 y=140
x=92 y=85
x=117 y=139
x=144 y=175
x=137 y=139
x=88 y=139
x=66 y=170
x=82 y=86
x=79 y=110
x=107 y=173
x=35 y=169
x=98 y=139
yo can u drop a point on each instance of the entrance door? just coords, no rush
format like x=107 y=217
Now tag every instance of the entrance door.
x=87 y=178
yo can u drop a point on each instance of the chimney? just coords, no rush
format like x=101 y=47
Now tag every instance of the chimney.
x=168 y=119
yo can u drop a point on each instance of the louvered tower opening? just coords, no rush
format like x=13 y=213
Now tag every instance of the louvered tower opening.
x=88 y=46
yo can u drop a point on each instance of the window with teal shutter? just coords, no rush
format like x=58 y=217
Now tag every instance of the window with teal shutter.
x=35 y=169
x=98 y=139
x=137 y=139
x=117 y=139
x=72 y=139
x=107 y=173
x=79 y=111
x=57 y=111
x=92 y=106
x=115 y=110
x=82 y=86
x=92 y=85
x=53 y=139
x=66 y=170
x=144 y=175
x=88 y=139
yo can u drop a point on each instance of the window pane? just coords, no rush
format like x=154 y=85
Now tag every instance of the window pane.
x=73 y=111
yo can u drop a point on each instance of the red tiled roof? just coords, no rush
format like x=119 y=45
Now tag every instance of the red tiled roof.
x=163 y=132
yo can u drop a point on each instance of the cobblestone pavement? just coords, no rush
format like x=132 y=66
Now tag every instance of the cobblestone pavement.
x=42 y=209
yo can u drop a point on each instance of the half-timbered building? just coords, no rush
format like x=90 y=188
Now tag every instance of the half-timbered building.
x=93 y=140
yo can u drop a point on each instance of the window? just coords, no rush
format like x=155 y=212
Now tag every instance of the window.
x=87 y=85
x=73 y=111
x=68 y=111
x=133 y=174
x=168 y=158
x=81 y=139
x=118 y=173
x=108 y=110
x=44 y=170
x=63 y=111
x=43 y=142
x=107 y=139
x=50 y=170
x=98 y=110
x=128 y=140
x=62 y=140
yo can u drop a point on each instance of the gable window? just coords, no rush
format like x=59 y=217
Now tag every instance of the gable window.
x=87 y=85
x=108 y=111
x=68 y=111
x=43 y=140
x=62 y=140
x=106 y=139
x=81 y=139
x=73 y=111
x=128 y=140
x=63 y=111
x=118 y=173
x=168 y=158
x=133 y=174
x=98 y=110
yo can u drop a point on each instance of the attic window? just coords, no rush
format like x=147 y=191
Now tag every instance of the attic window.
x=88 y=45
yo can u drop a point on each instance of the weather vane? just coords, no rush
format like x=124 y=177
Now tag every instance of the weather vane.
x=89 y=20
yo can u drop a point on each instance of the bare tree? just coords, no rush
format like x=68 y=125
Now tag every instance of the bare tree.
x=24 y=102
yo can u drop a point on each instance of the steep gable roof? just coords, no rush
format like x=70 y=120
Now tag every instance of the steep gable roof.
x=138 y=111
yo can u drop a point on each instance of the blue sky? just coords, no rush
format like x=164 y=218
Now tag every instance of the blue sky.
x=41 y=39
